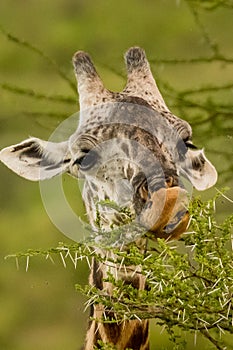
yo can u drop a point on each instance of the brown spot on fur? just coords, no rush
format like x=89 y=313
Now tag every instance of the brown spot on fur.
x=97 y=275
x=138 y=337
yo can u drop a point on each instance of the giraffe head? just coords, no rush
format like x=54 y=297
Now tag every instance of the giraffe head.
x=129 y=148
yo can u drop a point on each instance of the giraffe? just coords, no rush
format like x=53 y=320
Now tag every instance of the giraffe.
x=132 y=150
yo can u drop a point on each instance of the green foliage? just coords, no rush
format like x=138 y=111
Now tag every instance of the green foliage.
x=189 y=283
x=104 y=346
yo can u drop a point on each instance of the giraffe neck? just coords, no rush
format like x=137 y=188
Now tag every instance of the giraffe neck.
x=128 y=335
x=133 y=334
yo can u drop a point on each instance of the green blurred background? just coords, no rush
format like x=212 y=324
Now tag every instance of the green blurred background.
x=40 y=309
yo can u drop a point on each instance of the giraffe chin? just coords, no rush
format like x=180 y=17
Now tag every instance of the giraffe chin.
x=165 y=214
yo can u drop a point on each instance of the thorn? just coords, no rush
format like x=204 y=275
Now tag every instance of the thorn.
x=27 y=263
x=213 y=291
x=63 y=260
x=184 y=315
x=71 y=257
x=138 y=318
x=122 y=260
x=48 y=256
x=17 y=263
x=221 y=331
x=223 y=195
x=228 y=310
x=88 y=262
x=75 y=259
x=163 y=329
x=195 y=338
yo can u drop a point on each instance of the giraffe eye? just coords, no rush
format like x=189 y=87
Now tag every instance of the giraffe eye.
x=183 y=146
x=87 y=161
x=190 y=145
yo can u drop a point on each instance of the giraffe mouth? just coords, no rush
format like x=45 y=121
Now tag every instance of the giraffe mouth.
x=165 y=213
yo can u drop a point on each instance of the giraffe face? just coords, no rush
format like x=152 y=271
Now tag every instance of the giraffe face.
x=128 y=155
x=128 y=147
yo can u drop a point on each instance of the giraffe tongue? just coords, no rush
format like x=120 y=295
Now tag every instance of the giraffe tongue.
x=165 y=214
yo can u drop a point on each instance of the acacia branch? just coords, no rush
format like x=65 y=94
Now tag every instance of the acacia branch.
x=201 y=59
x=212 y=340
x=210 y=88
x=209 y=41
x=39 y=52
x=38 y=95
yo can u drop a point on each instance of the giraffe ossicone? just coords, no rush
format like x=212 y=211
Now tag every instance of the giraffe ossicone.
x=133 y=154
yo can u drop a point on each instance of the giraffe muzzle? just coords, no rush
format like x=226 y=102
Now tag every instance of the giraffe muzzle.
x=165 y=213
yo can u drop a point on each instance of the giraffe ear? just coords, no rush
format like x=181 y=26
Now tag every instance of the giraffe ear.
x=35 y=159
x=199 y=170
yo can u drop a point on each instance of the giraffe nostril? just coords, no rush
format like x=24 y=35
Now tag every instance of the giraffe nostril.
x=148 y=204
x=143 y=191
x=169 y=181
